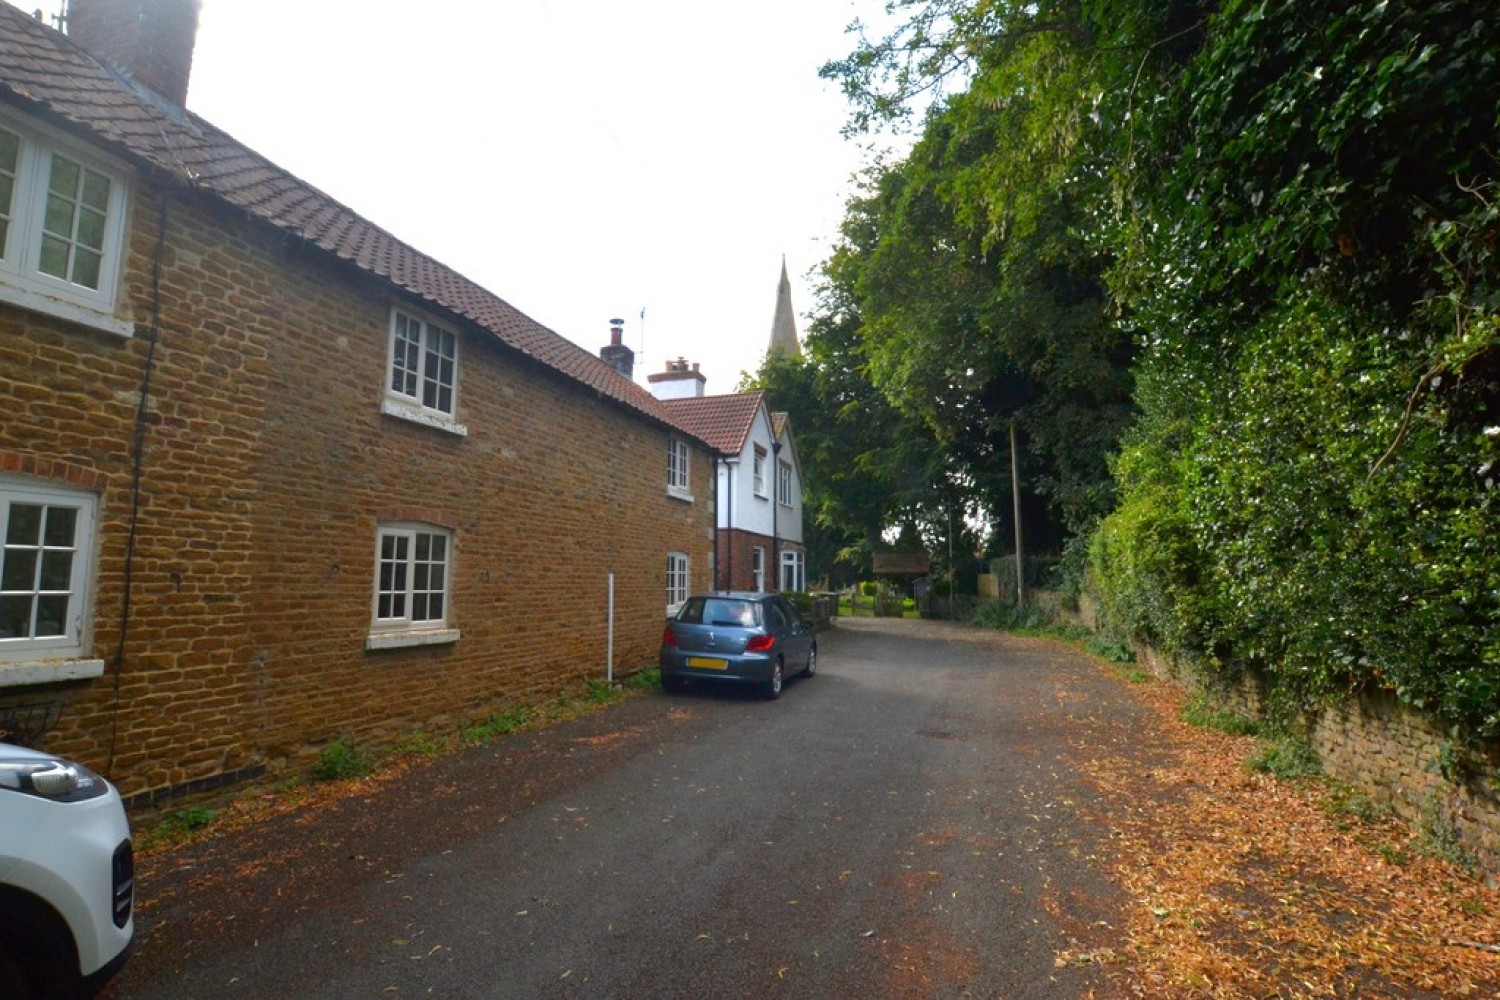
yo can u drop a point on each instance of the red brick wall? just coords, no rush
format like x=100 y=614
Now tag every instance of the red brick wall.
x=268 y=466
x=736 y=559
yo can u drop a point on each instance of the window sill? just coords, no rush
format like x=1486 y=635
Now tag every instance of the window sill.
x=427 y=418
x=49 y=672
x=92 y=317
x=406 y=640
x=677 y=494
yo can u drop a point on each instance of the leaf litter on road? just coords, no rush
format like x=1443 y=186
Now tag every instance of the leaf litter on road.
x=1246 y=885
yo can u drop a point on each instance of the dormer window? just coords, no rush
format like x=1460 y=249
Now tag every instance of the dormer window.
x=422 y=384
x=62 y=228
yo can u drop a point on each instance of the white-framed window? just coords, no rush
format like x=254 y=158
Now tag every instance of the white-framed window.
x=422 y=377
x=792 y=571
x=45 y=570
x=758 y=567
x=413 y=578
x=758 y=472
x=784 y=483
x=678 y=576
x=62 y=226
x=679 y=481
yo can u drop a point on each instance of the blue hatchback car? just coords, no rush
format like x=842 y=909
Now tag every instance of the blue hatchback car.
x=737 y=637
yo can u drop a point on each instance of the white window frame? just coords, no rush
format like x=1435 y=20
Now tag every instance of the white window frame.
x=758 y=567
x=679 y=469
x=758 y=472
x=792 y=570
x=399 y=593
x=63 y=654
x=784 y=483
x=679 y=576
x=24 y=220
x=415 y=393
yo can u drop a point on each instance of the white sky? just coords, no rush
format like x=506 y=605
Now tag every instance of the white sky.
x=583 y=159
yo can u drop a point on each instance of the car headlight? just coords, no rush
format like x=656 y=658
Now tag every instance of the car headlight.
x=56 y=779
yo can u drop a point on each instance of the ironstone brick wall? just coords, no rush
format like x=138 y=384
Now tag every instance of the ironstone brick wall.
x=267 y=468
x=1390 y=753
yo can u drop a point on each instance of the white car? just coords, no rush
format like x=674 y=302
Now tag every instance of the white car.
x=67 y=878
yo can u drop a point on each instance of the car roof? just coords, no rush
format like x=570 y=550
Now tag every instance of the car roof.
x=738 y=595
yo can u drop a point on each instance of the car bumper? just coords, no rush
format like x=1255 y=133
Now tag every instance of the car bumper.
x=736 y=669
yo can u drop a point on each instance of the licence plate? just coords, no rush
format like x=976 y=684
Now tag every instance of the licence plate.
x=706 y=662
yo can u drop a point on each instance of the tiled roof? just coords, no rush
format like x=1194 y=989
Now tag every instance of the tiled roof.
x=724 y=422
x=779 y=420
x=42 y=66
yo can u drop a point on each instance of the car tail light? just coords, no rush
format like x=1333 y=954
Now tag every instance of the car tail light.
x=668 y=637
x=760 y=643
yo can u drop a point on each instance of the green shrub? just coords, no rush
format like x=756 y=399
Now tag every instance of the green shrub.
x=339 y=761
x=1109 y=649
x=1288 y=758
x=1205 y=713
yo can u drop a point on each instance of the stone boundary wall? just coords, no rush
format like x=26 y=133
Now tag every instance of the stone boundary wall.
x=1382 y=748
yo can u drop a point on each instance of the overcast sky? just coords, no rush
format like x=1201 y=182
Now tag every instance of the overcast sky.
x=583 y=160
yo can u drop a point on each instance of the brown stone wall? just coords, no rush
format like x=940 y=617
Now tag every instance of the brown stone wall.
x=267 y=468
x=1390 y=753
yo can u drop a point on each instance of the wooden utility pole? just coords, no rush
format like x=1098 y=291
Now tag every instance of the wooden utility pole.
x=1015 y=492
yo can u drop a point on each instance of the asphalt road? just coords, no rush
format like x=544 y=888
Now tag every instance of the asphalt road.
x=908 y=823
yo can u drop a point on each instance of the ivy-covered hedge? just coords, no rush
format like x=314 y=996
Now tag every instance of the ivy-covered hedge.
x=1313 y=275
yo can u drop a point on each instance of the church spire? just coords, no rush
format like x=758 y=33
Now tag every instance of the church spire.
x=784 y=325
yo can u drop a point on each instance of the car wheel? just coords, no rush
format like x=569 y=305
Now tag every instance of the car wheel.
x=812 y=661
x=672 y=684
x=773 y=686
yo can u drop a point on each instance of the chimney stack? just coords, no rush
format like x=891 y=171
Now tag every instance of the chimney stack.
x=616 y=354
x=150 y=41
x=679 y=381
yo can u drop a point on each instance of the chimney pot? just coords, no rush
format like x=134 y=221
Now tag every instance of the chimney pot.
x=616 y=354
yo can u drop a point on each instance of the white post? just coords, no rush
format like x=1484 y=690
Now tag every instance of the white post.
x=609 y=666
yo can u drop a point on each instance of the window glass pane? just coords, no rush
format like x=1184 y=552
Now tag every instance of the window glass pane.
x=25 y=526
x=15 y=617
x=10 y=151
x=435 y=607
x=95 y=191
x=439 y=546
x=438 y=576
x=398 y=576
x=19 y=571
x=398 y=606
x=424 y=545
x=61 y=523
x=383 y=609
x=57 y=570
x=91 y=230
x=419 y=608
x=445 y=400
x=59 y=218
x=65 y=175
x=54 y=257
x=52 y=615
x=419 y=576
x=86 y=269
